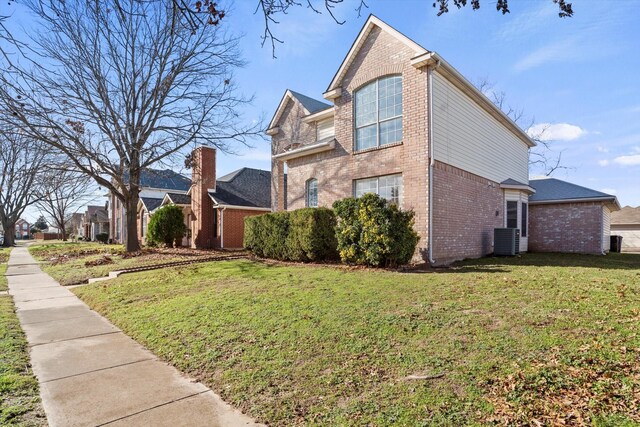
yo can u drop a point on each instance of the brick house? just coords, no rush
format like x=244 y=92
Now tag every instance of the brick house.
x=22 y=230
x=401 y=122
x=565 y=217
x=95 y=221
x=215 y=208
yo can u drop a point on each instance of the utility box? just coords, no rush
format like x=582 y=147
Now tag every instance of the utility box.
x=506 y=241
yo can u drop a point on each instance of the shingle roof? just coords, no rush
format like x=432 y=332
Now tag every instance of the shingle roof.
x=179 y=199
x=151 y=203
x=552 y=189
x=626 y=215
x=244 y=187
x=312 y=105
x=163 y=179
x=511 y=181
x=101 y=215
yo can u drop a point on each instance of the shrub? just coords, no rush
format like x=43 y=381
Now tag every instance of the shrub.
x=371 y=231
x=166 y=226
x=312 y=235
x=301 y=235
x=102 y=237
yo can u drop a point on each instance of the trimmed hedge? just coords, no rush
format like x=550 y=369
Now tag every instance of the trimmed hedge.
x=302 y=235
x=371 y=231
x=166 y=226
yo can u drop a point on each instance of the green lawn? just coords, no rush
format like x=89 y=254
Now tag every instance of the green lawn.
x=4 y=257
x=541 y=338
x=19 y=398
x=75 y=263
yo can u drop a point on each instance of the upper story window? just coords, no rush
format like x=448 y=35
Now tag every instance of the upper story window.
x=389 y=187
x=378 y=111
x=325 y=129
x=312 y=193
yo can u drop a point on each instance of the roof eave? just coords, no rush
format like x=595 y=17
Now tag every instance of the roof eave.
x=320 y=115
x=613 y=201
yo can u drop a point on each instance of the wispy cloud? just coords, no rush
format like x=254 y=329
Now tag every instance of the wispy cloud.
x=602 y=149
x=630 y=160
x=563 y=50
x=603 y=162
x=556 y=131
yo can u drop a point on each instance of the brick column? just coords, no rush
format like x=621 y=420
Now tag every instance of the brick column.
x=203 y=179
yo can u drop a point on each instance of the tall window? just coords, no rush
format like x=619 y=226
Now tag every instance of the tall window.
x=312 y=193
x=512 y=214
x=379 y=113
x=389 y=187
x=524 y=220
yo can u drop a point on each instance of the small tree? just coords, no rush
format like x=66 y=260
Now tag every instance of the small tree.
x=166 y=226
x=371 y=231
x=40 y=224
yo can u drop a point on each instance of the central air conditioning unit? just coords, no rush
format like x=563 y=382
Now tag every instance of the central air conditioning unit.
x=506 y=241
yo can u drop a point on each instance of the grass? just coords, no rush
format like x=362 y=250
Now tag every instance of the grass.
x=75 y=263
x=19 y=398
x=543 y=339
x=4 y=257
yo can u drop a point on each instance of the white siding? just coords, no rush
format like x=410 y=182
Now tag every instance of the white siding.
x=521 y=197
x=325 y=129
x=606 y=229
x=468 y=137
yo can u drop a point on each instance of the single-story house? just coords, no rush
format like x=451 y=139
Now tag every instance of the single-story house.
x=626 y=223
x=565 y=217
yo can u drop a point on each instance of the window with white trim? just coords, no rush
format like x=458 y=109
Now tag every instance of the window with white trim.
x=378 y=113
x=312 y=193
x=388 y=187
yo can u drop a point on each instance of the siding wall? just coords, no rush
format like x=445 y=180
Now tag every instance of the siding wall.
x=469 y=138
x=325 y=129
x=606 y=229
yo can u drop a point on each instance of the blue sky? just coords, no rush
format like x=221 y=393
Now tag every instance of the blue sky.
x=580 y=74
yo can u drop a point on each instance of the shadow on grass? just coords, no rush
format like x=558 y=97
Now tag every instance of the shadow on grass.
x=611 y=261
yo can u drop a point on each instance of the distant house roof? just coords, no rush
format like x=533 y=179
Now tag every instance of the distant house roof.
x=312 y=105
x=163 y=179
x=179 y=198
x=151 y=203
x=91 y=209
x=100 y=216
x=626 y=215
x=551 y=190
x=244 y=187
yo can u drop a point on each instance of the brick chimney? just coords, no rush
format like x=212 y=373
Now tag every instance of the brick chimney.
x=203 y=227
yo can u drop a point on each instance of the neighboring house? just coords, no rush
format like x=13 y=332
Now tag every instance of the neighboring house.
x=401 y=122
x=215 y=208
x=154 y=184
x=565 y=217
x=23 y=229
x=74 y=224
x=626 y=223
x=96 y=221
x=405 y=124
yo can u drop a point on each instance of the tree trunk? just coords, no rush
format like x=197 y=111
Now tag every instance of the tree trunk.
x=9 y=235
x=132 y=244
x=64 y=235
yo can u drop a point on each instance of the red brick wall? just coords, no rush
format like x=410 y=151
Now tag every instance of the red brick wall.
x=381 y=55
x=204 y=178
x=464 y=214
x=566 y=227
x=234 y=226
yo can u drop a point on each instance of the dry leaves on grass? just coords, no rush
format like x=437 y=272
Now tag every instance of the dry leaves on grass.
x=569 y=392
x=103 y=260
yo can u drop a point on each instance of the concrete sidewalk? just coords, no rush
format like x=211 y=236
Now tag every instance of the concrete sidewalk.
x=91 y=373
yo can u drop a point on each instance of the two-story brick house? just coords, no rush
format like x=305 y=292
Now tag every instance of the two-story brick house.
x=405 y=124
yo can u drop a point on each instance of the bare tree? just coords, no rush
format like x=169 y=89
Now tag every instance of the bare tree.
x=542 y=157
x=63 y=193
x=20 y=161
x=120 y=85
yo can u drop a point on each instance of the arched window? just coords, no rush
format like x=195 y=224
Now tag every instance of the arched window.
x=312 y=193
x=378 y=108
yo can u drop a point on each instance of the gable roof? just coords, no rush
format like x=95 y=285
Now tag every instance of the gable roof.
x=552 y=190
x=150 y=203
x=162 y=179
x=309 y=105
x=370 y=24
x=245 y=187
x=178 y=198
x=626 y=215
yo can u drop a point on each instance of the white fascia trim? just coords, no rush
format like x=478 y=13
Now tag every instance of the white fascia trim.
x=332 y=94
x=612 y=200
x=320 y=115
x=245 y=208
x=454 y=76
x=307 y=150
x=525 y=188
x=272 y=131
x=372 y=21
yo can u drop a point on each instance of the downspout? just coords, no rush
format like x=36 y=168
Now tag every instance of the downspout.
x=222 y=227
x=431 y=159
